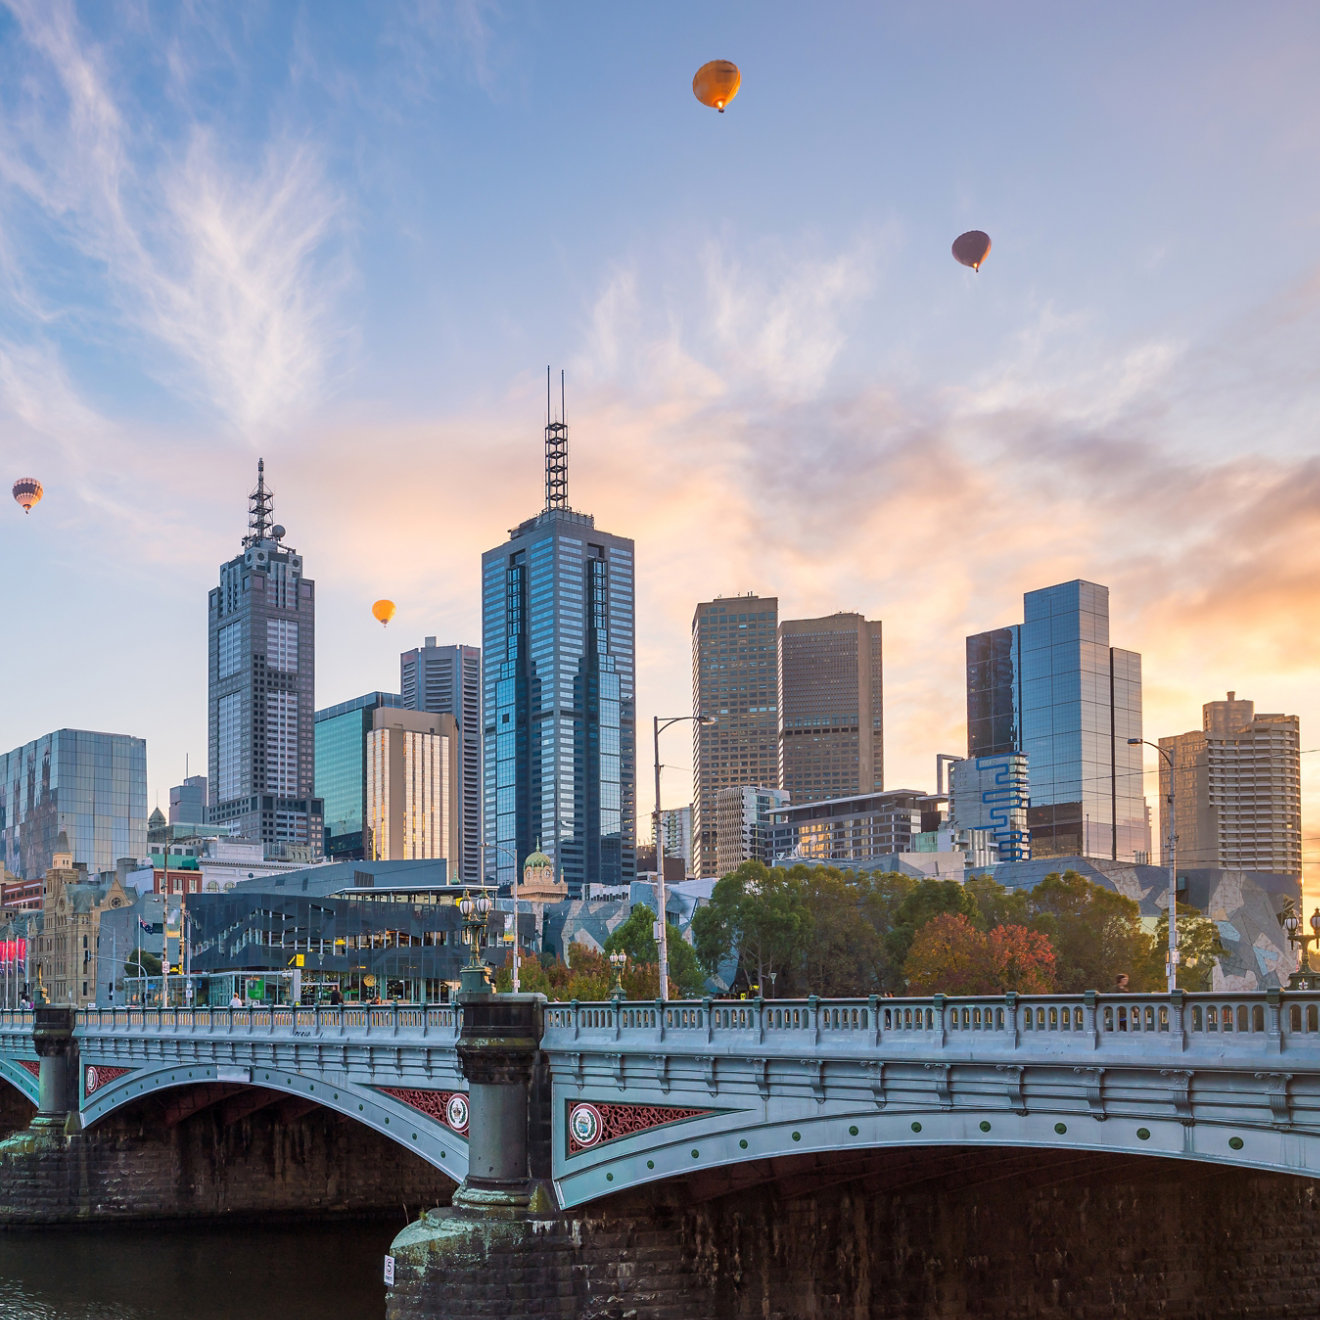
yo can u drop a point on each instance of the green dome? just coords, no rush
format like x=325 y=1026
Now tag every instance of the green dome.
x=537 y=858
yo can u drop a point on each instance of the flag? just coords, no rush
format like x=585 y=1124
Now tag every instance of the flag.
x=144 y=925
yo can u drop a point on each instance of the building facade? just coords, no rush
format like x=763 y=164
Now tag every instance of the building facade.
x=1236 y=787
x=989 y=795
x=744 y=818
x=858 y=828
x=676 y=829
x=261 y=685
x=188 y=801
x=90 y=786
x=341 y=735
x=1055 y=690
x=558 y=694
x=446 y=680
x=735 y=679
x=413 y=769
x=831 y=723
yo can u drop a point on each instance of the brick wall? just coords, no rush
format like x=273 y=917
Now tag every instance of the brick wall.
x=920 y=1235
x=135 y=1165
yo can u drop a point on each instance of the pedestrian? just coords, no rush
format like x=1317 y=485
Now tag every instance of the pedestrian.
x=336 y=999
x=1121 y=983
x=236 y=1001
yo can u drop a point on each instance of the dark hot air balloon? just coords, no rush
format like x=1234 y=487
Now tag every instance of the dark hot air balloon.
x=971 y=248
x=28 y=492
x=716 y=84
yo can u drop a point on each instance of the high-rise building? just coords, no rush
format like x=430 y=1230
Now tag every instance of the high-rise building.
x=446 y=680
x=1054 y=689
x=744 y=820
x=991 y=794
x=858 y=828
x=676 y=828
x=1236 y=790
x=558 y=695
x=188 y=801
x=831 y=728
x=261 y=691
x=413 y=760
x=341 y=771
x=735 y=679
x=90 y=786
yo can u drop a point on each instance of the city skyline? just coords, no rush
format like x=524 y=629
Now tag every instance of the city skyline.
x=1110 y=399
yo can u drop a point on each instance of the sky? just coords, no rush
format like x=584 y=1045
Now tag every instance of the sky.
x=349 y=238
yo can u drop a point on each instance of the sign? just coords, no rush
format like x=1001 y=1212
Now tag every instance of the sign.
x=389 y=1271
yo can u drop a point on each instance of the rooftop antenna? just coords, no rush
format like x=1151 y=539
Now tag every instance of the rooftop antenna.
x=260 y=508
x=556 y=452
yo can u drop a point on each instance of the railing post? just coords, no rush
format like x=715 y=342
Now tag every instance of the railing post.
x=705 y=1013
x=660 y=1018
x=938 y=1002
x=1090 y=1019
x=1010 y=1016
x=1177 y=1020
x=1274 y=1018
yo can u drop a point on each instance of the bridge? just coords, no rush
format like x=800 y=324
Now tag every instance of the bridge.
x=639 y=1093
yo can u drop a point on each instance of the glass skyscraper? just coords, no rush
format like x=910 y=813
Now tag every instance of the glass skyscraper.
x=91 y=786
x=1056 y=690
x=341 y=770
x=261 y=682
x=558 y=696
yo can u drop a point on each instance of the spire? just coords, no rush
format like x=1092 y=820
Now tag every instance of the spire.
x=260 y=509
x=556 y=451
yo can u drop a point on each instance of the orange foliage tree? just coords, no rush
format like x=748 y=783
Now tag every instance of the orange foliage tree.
x=950 y=956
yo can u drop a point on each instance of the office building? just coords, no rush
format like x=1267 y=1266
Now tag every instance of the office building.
x=989 y=795
x=735 y=679
x=91 y=786
x=446 y=680
x=340 y=734
x=1236 y=790
x=188 y=801
x=744 y=820
x=858 y=828
x=413 y=760
x=1055 y=690
x=558 y=696
x=262 y=668
x=676 y=830
x=831 y=728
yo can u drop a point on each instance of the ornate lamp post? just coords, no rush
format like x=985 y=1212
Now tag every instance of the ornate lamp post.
x=475 y=912
x=618 y=960
x=1305 y=977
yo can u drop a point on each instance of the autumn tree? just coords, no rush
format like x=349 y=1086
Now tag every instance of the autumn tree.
x=949 y=955
x=1096 y=933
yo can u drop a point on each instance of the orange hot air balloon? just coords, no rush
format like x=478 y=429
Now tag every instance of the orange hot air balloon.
x=717 y=83
x=28 y=492
x=383 y=611
x=971 y=248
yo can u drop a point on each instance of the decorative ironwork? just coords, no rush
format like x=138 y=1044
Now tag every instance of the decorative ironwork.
x=32 y=1065
x=97 y=1075
x=594 y=1124
x=447 y=1107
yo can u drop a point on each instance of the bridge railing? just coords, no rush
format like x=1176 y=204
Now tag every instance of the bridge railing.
x=1269 y=1020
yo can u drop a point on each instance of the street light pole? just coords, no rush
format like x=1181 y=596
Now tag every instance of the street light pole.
x=662 y=938
x=508 y=852
x=1170 y=847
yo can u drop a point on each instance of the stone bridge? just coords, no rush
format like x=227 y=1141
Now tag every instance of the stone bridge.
x=588 y=1100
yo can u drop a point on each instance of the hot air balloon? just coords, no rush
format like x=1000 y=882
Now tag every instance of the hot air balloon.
x=717 y=83
x=383 y=611
x=27 y=491
x=971 y=248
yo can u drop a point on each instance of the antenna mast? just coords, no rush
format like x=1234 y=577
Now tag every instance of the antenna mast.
x=260 y=508
x=556 y=451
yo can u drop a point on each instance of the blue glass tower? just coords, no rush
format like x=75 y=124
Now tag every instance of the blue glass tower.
x=558 y=697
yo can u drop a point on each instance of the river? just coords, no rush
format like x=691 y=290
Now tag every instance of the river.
x=182 y=1272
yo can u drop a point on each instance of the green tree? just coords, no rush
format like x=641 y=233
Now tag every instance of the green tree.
x=840 y=952
x=636 y=938
x=755 y=912
x=994 y=905
x=926 y=900
x=150 y=964
x=1096 y=933
x=1199 y=950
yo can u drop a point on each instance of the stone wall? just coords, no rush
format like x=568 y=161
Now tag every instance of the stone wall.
x=16 y=1110
x=149 y=1162
x=914 y=1235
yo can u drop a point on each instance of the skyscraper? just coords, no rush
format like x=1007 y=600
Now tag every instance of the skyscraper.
x=831 y=726
x=412 y=786
x=744 y=823
x=558 y=697
x=188 y=801
x=262 y=662
x=735 y=679
x=446 y=680
x=1055 y=689
x=341 y=771
x=1237 y=790
x=90 y=786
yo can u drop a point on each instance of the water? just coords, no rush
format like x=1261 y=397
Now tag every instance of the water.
x=181 y=1272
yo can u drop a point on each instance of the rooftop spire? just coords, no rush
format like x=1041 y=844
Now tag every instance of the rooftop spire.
x=556 y=451
x=260 y=509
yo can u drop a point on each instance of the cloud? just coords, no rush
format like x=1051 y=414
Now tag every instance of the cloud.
x=226 y=259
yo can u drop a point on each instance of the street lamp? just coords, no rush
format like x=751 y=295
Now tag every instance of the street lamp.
x=659 y=725
x=1305 y=977
x=1172 y=969
x=475 y=913
x=509 y=852
x=618 y=960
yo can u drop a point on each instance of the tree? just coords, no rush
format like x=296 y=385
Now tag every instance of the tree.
x=1023 y=960
x=149 y=966
x=926 y=900
x=1199 y=950
x=636 y=938
x=1096 y=933
x=757 y=914
x=951 y=956
x=839 y=951
x=994 y=905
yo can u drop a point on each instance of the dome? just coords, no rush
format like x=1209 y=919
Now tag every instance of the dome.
x=536 y=860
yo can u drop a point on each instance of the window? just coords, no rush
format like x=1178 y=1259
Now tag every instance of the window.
x=282 y=645
x=229 y=645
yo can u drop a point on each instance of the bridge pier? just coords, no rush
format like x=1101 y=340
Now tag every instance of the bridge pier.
x=52 y=1034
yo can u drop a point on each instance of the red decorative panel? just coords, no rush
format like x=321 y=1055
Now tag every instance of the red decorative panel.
x=592 y=1124
x=97 y=1075
x=32 y=1065
x=447 y=1107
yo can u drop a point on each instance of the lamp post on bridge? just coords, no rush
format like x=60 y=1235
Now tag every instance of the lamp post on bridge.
x=475 y=913
x=662 y=938
x=1170 y=847
x=1305 y=977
